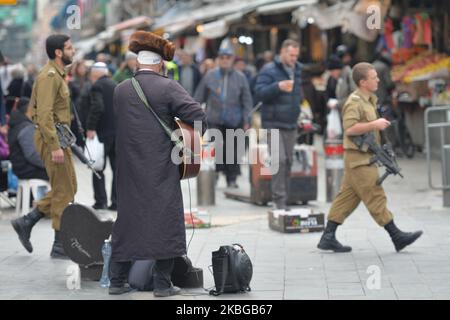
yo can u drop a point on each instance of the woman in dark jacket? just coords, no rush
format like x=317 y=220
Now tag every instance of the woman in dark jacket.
x=24 y=158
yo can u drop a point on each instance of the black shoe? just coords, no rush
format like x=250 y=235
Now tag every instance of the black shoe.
x=120 y=290
x=232 y=185
x=328 y=240
x=57 y=248
x=172 y=291
x=399 y=238
x=24 y=225
x=100 y=206
x=113 y=207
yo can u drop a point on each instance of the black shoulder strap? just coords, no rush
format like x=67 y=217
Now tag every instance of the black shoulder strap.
x=137 y=87
x=77 y=119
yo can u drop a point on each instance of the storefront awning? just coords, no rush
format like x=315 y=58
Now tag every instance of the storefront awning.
x=212 y=14
x=283 y=6
x=351 y=16
x=114 y=31
x=85 y=46
x=138 y=22
x=322 y=16
x=218 y=28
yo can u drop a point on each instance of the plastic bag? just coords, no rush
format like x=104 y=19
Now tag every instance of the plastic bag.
x=334 y=127
x=95 y=151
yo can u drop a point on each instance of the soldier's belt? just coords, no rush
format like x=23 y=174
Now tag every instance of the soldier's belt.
x=365 y=162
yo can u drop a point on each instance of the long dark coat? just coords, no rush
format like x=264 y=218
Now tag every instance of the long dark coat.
x=150 y=220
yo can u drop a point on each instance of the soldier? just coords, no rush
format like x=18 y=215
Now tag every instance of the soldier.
x=50 y=100
x=359 y=184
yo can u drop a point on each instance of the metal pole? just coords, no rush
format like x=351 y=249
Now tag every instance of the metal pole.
x=206 y=179
x=446 y=175
x=446 y=163
x=442 y=126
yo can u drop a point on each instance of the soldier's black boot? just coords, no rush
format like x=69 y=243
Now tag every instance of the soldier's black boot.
x=399 y=238
x=57 y=248
x=24 y=225
x=329 y=241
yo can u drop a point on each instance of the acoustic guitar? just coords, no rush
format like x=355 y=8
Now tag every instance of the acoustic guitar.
x=191 y=150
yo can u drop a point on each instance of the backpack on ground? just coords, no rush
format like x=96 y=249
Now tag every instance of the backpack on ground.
x=232 y=270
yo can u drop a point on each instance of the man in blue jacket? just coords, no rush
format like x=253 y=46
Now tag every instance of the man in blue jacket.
x=278 y=87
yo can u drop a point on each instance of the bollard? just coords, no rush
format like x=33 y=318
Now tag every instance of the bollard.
x=334 y=150
x=206 y=179
x=334 y=167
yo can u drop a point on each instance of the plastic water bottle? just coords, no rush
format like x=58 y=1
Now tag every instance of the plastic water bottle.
x=106 y=253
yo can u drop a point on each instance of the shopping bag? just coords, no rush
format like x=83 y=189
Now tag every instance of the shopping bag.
x=95 y=152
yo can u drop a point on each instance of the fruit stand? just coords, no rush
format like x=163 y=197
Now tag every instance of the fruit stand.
x=422 y=79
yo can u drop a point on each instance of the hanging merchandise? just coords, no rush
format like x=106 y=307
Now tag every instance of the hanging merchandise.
x=418 y=35
x=427 y=34
x=388 y=30
x=408 y=32
x=423 y=34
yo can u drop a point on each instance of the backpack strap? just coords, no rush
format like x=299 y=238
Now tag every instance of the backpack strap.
x=247 y=288
x=218 y=291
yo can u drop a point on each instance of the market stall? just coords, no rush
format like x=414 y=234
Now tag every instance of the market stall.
x=421 y=67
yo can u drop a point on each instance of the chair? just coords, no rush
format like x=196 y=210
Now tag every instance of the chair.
x=24 y=189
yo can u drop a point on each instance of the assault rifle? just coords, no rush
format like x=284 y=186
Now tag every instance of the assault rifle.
x=383 y=156
x=67 y=139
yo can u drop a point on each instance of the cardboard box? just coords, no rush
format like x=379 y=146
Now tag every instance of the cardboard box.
x=198 y=219
x=296 y=220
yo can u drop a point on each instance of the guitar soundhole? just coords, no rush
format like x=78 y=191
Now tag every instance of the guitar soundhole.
x=180 y=153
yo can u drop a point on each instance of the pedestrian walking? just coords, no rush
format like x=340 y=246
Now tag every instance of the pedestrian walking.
x=360 y=175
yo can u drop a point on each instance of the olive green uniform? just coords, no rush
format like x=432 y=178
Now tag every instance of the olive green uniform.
x=51 y=101
x=359 y=182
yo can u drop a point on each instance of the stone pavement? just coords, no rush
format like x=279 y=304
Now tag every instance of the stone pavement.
x=286 y=266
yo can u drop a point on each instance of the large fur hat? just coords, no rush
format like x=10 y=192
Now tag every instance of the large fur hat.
x=144 y=40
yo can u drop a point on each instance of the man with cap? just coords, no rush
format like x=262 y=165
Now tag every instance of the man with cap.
x=228 y=103
x=100 y=123
x=150 y=211
x=334 y=67
x=127 y=68
x=345 y=85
